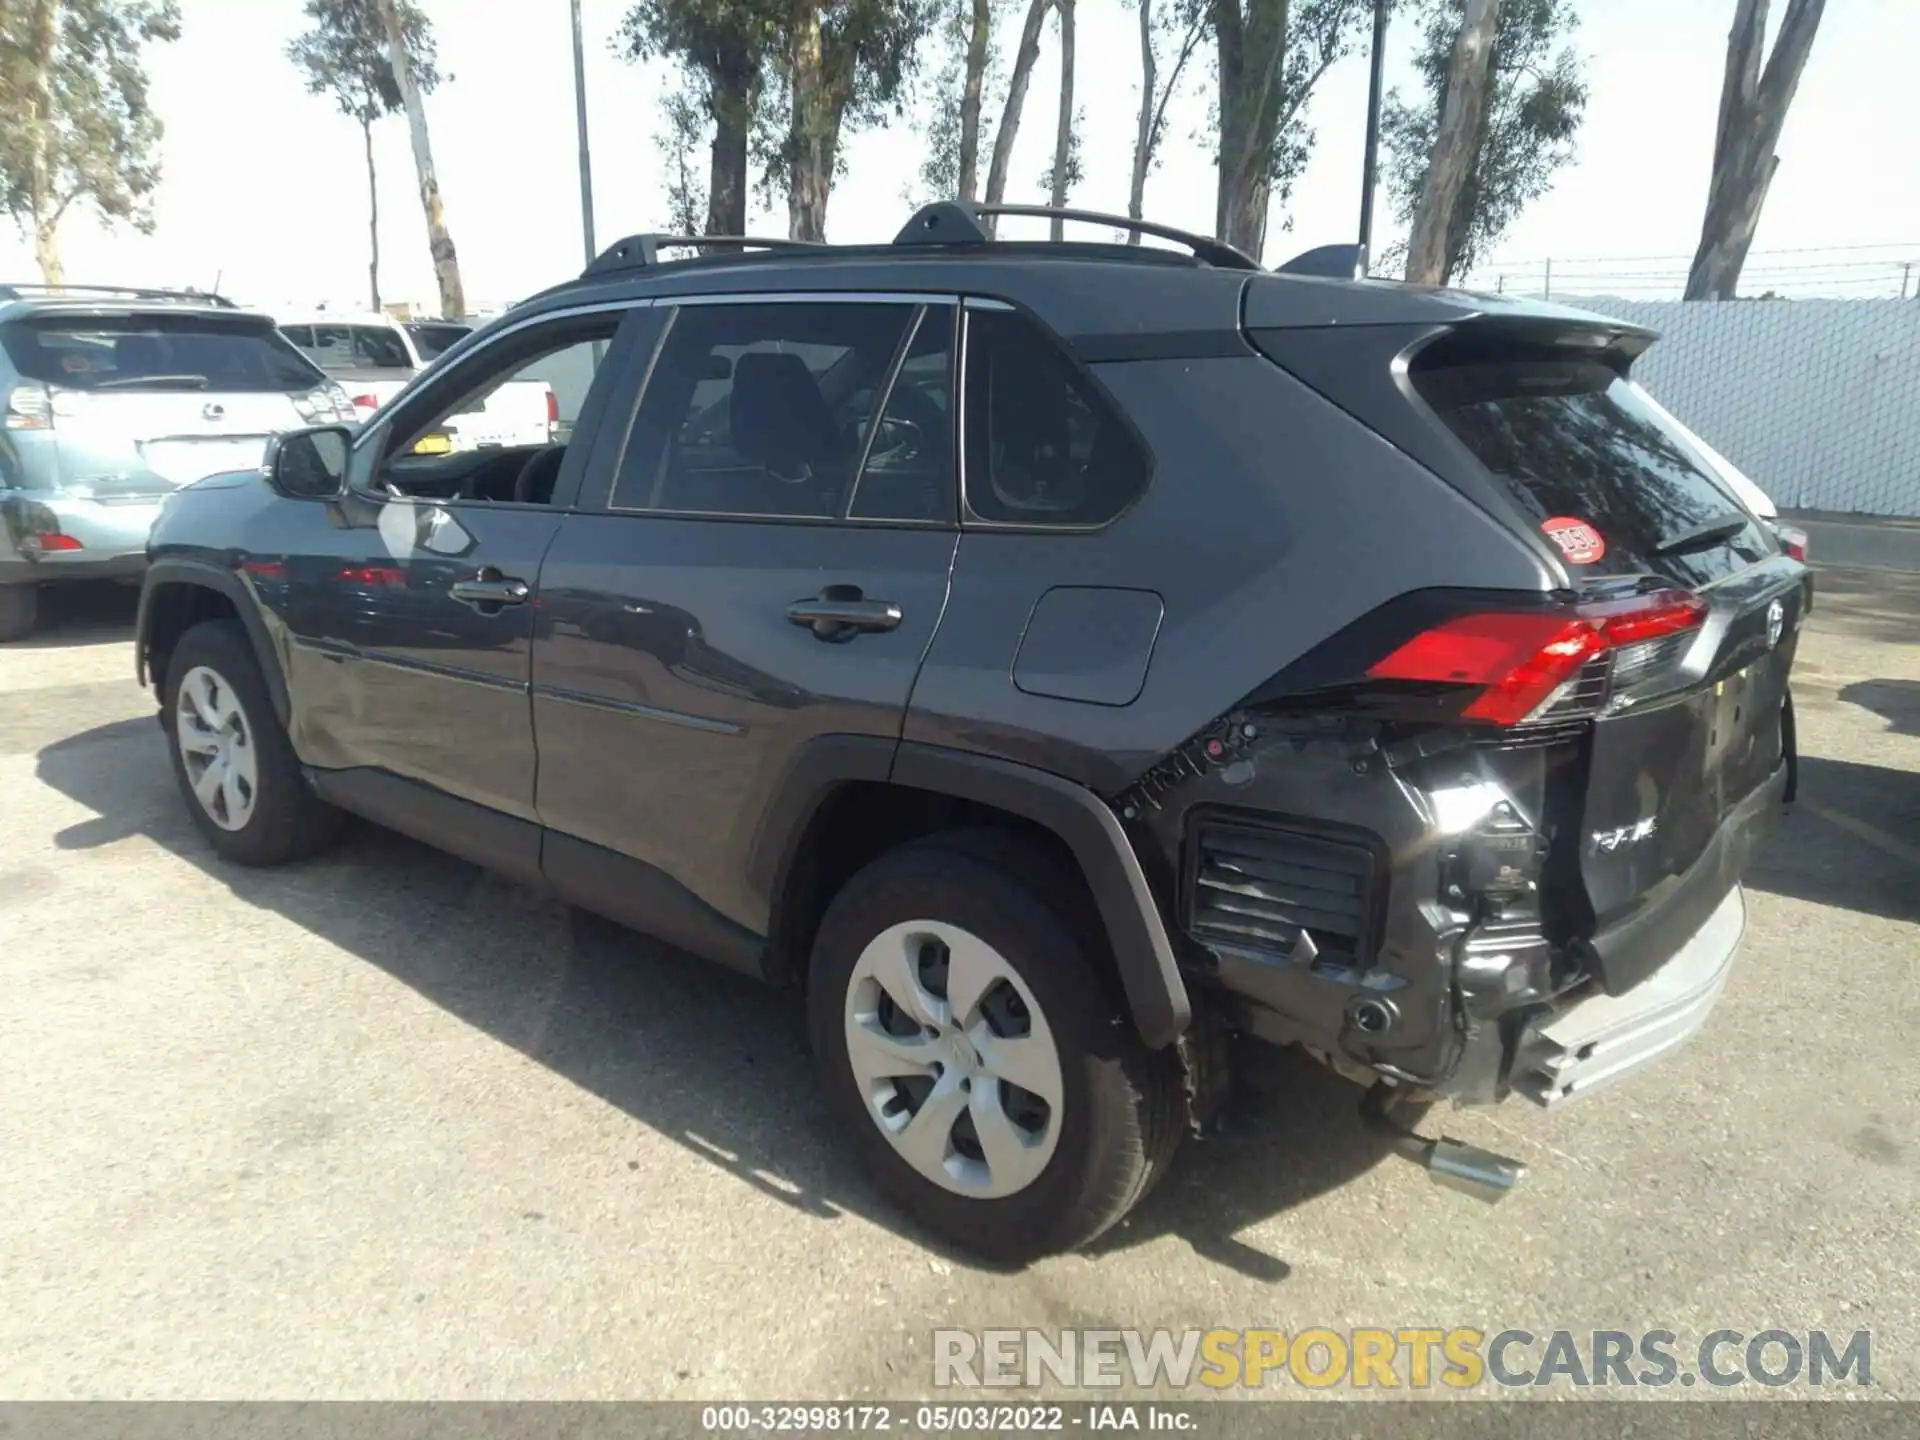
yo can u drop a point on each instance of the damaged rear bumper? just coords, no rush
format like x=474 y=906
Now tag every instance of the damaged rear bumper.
x=1595 y=1041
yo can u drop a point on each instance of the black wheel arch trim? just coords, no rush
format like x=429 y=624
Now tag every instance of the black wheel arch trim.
x=1156 y=993
x=205 y=576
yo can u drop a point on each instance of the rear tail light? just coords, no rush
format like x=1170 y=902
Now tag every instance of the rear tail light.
x=553 y=415
x=1793 y=541
x=29 y=407
x=47 y=544
x=1525 y=663
x=366 y=402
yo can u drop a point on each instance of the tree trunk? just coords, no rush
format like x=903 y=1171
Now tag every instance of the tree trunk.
x=815 y=134
x=1252 y=59
x=1023 y=62
x=42 y=205
x=1455 y=143
x=46 y=250
x=1143 y=135
x=970 y=93
x=734 y=101
x=373 y=218
x=1063 y=126
x=1753 y=110
x=1154 y=100
x=446 y=263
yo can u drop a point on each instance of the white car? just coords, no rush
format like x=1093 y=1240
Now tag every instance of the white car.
x=374 y=357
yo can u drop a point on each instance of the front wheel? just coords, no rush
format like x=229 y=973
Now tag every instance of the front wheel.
x=236 y=768
x=976 y=1056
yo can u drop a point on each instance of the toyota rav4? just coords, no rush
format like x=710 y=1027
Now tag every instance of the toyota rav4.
x=1046 y=659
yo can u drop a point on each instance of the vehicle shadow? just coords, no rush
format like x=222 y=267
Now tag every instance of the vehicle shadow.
x=77 y=614
x=1895 y=701
x=708 y=1058
x=1851 y=840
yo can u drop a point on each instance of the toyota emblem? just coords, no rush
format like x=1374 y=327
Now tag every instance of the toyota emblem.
x=1776 y=622
x=213 y=410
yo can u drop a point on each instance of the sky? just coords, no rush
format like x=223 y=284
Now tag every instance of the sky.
x=264 y=187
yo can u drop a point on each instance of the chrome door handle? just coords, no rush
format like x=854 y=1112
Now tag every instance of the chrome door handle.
x=833 y=617
x=490 y=587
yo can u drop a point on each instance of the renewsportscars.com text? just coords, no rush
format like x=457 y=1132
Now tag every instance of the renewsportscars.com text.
x=1414 y=1358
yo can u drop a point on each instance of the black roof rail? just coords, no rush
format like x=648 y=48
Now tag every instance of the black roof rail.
x=1332 y=262
x=957 y=222
x=642 y=252
x=22 y=290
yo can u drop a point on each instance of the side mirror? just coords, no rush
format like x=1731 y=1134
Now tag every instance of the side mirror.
x=310 y=464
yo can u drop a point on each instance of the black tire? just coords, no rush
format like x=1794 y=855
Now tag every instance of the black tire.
x=1120 y=1117
x=19 y=609
x=288 y=821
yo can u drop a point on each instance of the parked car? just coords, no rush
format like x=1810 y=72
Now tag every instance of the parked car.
x=114 y=398
x=374 y=358
x=1046 y=660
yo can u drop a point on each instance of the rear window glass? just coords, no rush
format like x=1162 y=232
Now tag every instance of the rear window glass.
x=155 y=352
x=432 y=341
x=1596 y=468
x=351 y=347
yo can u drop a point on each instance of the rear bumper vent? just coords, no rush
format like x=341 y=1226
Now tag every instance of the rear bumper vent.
x=1290 y=893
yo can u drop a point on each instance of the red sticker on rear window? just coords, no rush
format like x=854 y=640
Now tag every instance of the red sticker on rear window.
x=1579 y=542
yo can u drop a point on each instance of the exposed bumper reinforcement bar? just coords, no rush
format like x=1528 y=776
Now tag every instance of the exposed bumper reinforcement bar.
x=1597 y=1040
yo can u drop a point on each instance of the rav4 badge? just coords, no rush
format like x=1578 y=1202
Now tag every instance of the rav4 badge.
x=1607 y=841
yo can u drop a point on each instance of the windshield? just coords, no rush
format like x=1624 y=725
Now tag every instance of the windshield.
x=156 y=352
x=433 y=341
x=1600 y=470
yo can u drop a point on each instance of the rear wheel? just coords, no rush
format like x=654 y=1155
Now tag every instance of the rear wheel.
x=235 y=766
x=978 y=1059
x=19 y=608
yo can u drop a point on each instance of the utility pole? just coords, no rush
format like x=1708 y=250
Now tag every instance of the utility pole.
x=1370 y=165
x=580 y=113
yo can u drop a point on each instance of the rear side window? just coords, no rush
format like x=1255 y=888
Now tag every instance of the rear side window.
x=156 y=352
x=1595 y=467
x=1043 y=445
x=351 y=347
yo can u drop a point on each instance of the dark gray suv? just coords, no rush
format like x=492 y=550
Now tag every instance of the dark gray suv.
x=1047 y=660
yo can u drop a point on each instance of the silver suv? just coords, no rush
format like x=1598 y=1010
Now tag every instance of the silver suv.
x=114 y=398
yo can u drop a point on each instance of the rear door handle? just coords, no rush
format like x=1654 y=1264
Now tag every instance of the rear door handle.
x=490 y=588
x=836 y=615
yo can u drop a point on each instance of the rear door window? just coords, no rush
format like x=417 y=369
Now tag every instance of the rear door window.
x=156 y=352
x=1596 y=468
x=796 y=410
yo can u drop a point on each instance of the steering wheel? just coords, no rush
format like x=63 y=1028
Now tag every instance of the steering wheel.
x=542 y=466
